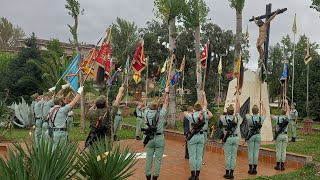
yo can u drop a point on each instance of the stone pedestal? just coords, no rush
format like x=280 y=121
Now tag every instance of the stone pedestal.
x=307 y=126
x=251 y=88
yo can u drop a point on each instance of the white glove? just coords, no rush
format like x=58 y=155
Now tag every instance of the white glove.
x=80 y=90
x=52 y=89
x=65 y=86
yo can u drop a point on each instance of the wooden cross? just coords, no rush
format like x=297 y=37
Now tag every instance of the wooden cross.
x=267 y=16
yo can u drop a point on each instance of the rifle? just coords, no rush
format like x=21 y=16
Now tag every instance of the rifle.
x=196 y=128
x=255 y=129
x=151 y=130
x=282 y=127
x=230 y=129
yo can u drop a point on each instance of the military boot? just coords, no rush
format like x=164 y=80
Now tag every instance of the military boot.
x=197 y=175
x=231 y=174
x=293 y=139
x=254 y=169
x=138 y=138
x=148 y=177
x=193 y=175
x=250 y=169
x=227 y=175
x=282 y=166
x=154 y=177
x=278 y=166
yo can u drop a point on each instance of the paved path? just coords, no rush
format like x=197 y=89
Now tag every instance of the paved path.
x=175 y=167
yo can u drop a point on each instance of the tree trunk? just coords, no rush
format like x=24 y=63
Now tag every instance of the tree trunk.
x=238 y=36
x=172 y=96
x=82 y=97
x=198 y=69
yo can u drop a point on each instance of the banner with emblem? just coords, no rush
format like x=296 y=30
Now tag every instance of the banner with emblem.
x=87 y=63
x=139 y=60
x=71 y=74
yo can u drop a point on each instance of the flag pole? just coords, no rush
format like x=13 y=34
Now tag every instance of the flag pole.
x=307 y=107
x=147 y=63
x=182 y=87
x=127 y=80
x=294 y=51
x=219 y=97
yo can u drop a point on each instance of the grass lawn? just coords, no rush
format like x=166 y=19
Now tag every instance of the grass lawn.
x=307 y=173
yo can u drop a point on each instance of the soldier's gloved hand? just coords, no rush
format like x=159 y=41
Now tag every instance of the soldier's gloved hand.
x=80 y=90
x=52 y=89
x=65 y=86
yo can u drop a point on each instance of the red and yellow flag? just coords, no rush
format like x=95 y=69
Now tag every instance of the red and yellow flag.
x=139 y=60
x=204 y=56
x=87 y=63
x=137 y=77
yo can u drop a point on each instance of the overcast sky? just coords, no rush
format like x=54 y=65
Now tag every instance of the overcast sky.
x=49 y=18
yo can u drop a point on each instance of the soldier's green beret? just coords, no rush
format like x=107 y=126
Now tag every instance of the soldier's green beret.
x=35 y=95
x=230 y=108
x=101 y=99
x=153 y=105
x=47 y=94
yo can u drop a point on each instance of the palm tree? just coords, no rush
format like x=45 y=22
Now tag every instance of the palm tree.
x=238 y=5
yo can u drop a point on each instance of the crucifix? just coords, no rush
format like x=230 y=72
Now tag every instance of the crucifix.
x=264 y=32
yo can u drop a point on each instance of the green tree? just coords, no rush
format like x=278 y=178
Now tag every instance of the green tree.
x=315 y=5
x=193 y=15
x=124 y=39
x=24 y=75
x=168 y=10
x=238 y=5
x=5 y=58
x=9 y=34
x=74 y=10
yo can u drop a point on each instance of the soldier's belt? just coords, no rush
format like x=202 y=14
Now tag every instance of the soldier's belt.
x=201 y=132
x=38 y=118
x=158 y=133
x=139 y=117
x=70 y=116
x=233 y=135
x=59 y=129
x=205 y=130
x=118 y=114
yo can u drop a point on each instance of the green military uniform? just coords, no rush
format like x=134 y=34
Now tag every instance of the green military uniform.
x=94 y=115
x=155 y=146
x=116 y=124
x=58 y=124
x=140 y=121
x=282 y=139
x=292 y=125
x=45 y=125
x=255 y=140
x=231 y=144
x=38 y=119
x=196 y=143
x=205 y=135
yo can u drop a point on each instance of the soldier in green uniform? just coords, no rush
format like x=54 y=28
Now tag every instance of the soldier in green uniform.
x=282 y=139
x=140 y=114
x=205 y=134
x=155 y=146
x=58 y=119
x=229 y=125
x=38 y=106
x=196 y=143
x=100 y=114
x=293 y=122
x=46 y=109
x=254 y=122
x=117 y=120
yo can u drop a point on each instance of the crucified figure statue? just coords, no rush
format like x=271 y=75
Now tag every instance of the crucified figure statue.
x=263 y=26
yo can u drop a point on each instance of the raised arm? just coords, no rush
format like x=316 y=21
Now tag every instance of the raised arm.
x=274 y=15
x=76 y=99
x=287 y=108
x=63 y=88
x=166 y=98
x=205 y=102
x=263 y=109
x=237 y=110
x=119 y=96
x=210 y=115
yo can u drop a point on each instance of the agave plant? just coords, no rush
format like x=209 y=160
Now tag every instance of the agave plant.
x=103 y=163
x=23 y=114
x=40 y=162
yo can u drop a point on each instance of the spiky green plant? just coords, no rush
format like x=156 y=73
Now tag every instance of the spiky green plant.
x=116 y=165
x=40 y=162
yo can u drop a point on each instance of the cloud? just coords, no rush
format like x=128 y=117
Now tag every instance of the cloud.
x=49 y=19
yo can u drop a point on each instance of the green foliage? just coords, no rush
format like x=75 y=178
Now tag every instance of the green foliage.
x=74 y=11
x=55 y=46
x=194 y=13
x=238 y=5
x=5 y=58
x=40 y=162
x=20 y=77
x=315 y=5
x=167 y=9
x=9 y=34
x=117 y=164
x=124 y=40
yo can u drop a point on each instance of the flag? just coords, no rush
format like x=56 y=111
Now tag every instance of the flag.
x=137 y=77
x=238 y=72
x=308 y=57
x=103 y=60
x=220 y=66
x=284 y=75
x=294 y=27
x=229 y=76
x=113 y=77
x=139 y=61
x=175 y=78
x=164 y=67
x=245 y=109
x=162 y=83
x=182 y=64
x=71 y=74
x=86 y=65
x=204 y=56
